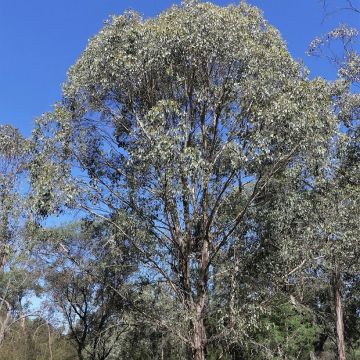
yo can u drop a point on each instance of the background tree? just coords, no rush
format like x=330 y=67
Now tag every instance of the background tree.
x=37 y=340
x=15 y=279
x=340 y=47
x=86 y=272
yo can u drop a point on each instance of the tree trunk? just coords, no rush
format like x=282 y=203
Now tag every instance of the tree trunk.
x=199 y=338
x=339 y=315
x=80 y=354
x=199 y=329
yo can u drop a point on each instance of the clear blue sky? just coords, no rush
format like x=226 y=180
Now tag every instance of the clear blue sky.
x=41 y=39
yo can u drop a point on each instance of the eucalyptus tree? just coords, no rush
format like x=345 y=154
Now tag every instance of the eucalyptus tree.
x=14 y=279
x=85 y=282
x=12 y=165
x=36 y=340
x=171 y=129
x=338 y=198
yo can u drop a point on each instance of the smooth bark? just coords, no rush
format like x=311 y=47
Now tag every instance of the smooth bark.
x=340 y=339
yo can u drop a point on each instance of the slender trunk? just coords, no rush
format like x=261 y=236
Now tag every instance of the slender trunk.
x=162 y=347
x=2 y=334
x=51 y=357
x=199 y=336
x=5 y=320
x=199 y=329
x=80 y=355
x=339 y=315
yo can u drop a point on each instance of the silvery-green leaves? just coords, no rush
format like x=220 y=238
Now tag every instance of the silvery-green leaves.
x=201 y=86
